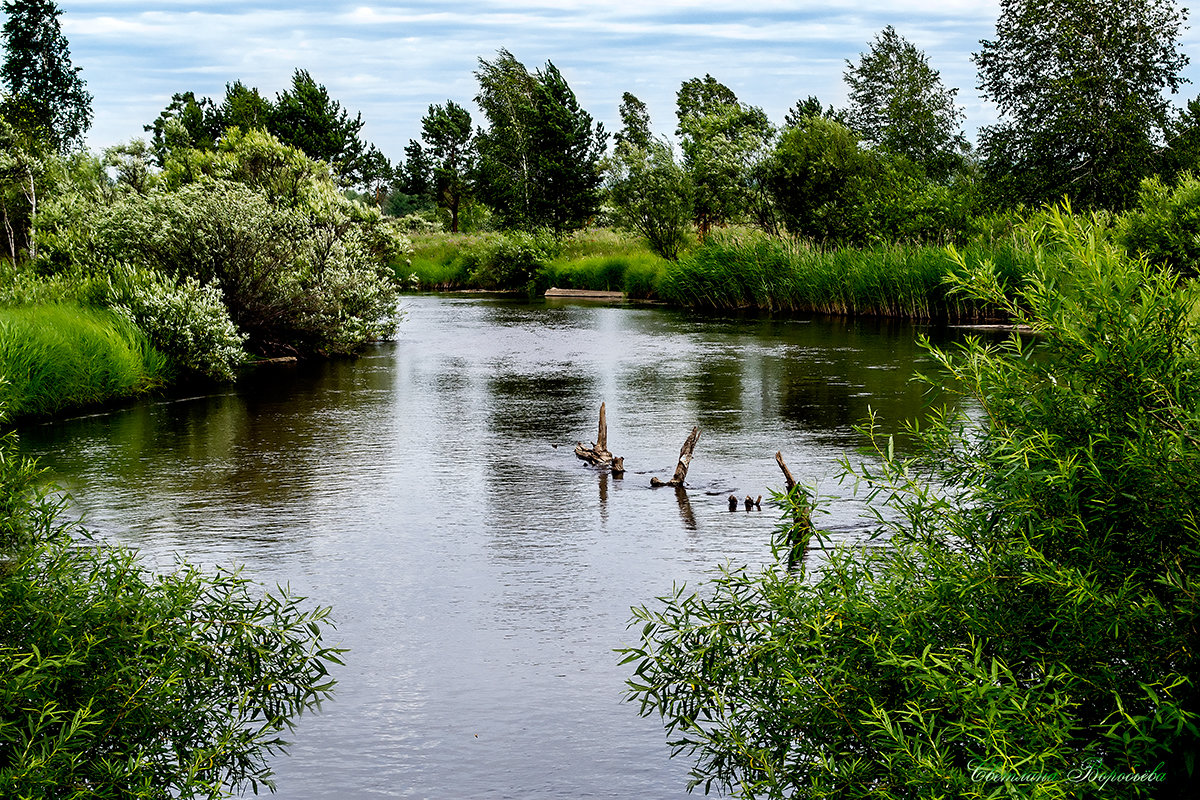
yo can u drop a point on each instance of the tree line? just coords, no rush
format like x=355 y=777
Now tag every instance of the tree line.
x=1081 y=87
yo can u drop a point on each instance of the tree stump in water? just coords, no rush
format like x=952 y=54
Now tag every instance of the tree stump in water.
x=597 y=455
x=800 y=531
x=685 y=459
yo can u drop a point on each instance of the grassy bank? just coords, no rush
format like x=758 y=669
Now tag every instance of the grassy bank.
x=54 y=357
x=742 y=269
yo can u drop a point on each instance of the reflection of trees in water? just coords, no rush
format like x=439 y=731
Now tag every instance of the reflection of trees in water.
x=552 y=404
x=245 y=455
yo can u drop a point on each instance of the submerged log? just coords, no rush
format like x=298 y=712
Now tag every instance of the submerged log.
x=800 y=531
x=685 y=459
x=597 y=455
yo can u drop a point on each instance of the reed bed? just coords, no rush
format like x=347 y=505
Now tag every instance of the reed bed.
x=756 y=271
x=55 y=357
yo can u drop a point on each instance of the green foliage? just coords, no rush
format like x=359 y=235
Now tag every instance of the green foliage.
x=511 y=260
x=539 y=158
x=300 y=268
x=185 y=319
x=635 y=123
x=1164 y=226
x=56 y=357
x=45 y=95
x=307 y=118
x=23 y=167
x=828 y=189
x=448 y=135
x=820 y=180
x=898 y=103
x=753 y=270
x=722 y=141
x=651 y=194
x=117 y=682
x=1080 y=88
x=304 y=117
x=1033 y=611
x=635 y=274
x=186 y=123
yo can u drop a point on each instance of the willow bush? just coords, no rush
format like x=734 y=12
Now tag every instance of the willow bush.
x=117 y=682
x=1030 y=629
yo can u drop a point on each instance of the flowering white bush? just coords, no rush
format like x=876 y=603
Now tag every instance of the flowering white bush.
x=186 y=320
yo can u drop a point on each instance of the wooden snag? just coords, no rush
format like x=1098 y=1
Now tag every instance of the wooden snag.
x=597 y=455
x=685 y=459
x=801 y=530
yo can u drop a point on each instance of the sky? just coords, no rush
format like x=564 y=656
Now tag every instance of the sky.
x=391 y=61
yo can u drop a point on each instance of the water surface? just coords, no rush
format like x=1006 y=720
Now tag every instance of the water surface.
x=479 y=573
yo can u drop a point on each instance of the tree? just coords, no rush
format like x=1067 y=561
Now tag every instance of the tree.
x=45 y=93
x=23 y=165
x=898 y=103
x=448 y=136
x=811 y=107
x=635 y=123
x=187 y=122
x=651 y=194
x=539 y=157
x=308 y=118
x=1080 y=89
x=722 y=142
x=822 y=182
x=1033 y=611
x=1182 y=151
x=567 y=146
x=506 y=180
x=245 y=108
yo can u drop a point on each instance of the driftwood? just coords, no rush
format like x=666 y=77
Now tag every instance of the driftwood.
x=597 y=455
x=685 y=459
x=801 y=530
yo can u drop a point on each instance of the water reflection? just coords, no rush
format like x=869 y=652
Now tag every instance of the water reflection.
x=481 y=575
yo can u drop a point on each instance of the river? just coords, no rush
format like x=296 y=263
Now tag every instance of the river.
x=481 y=575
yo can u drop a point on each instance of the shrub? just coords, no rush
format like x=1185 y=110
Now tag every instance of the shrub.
x=510 y=260
x=1164 y=226
x=300 y=267
x=185 y=319
x=1033 y=612
x=116 y=682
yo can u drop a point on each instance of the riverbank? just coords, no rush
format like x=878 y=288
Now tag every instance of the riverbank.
x=734 y=269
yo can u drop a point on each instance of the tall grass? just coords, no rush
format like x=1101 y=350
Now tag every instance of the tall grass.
x=758 y=271
x=54 y=357
x=591 y=259
x=635 y=274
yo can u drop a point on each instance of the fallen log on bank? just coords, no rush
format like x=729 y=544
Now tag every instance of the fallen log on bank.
x=685 y=459
x=598 y=455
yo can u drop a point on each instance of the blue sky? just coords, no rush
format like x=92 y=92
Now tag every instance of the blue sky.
x=391 y=61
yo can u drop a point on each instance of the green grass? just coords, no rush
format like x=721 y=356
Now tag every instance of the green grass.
x=758 y=271
x=55 y=357
x=592 y=259
x=636 y=274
